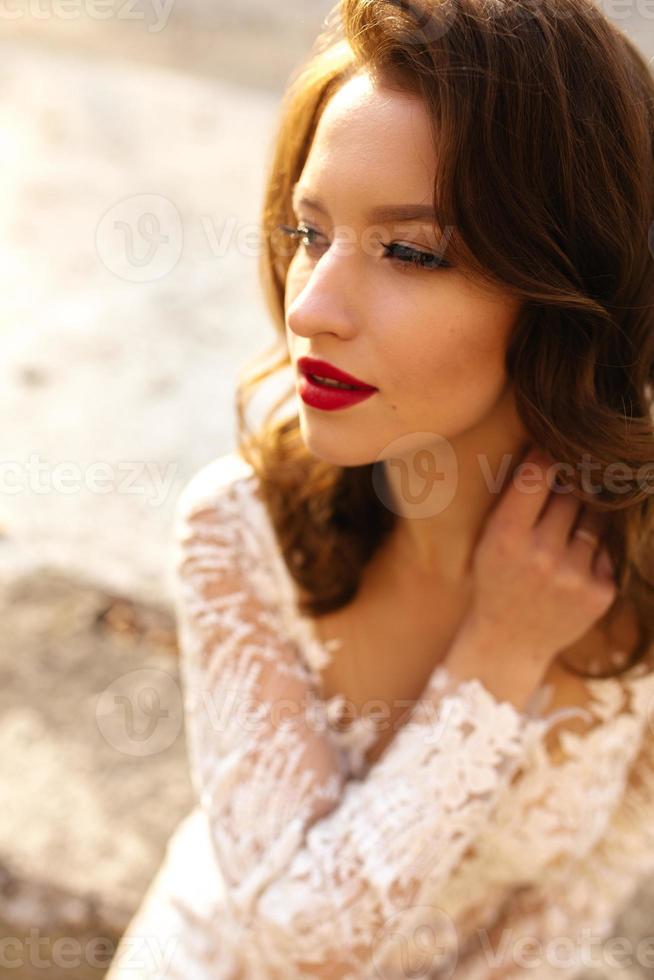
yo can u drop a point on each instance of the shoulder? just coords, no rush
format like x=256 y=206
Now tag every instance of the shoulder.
x=211 y=545
x=223 y=541
x=213 y=490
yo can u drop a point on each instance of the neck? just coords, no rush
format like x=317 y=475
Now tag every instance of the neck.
x=442 y=492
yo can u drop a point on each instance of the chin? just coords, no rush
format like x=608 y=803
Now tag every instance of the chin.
x=335 y=448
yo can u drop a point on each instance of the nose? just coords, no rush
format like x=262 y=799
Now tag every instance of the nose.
x=321 y=300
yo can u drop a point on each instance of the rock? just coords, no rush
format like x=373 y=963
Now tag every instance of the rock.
x=91 y=802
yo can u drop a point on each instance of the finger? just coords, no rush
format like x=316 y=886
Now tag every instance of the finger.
x=526 y=492
x=604 y=566
x=586 y=538
x=559 y=517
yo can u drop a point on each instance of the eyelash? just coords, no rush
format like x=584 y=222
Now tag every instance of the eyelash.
x=412 y=256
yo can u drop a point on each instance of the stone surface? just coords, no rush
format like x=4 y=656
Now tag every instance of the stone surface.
x=93 y=760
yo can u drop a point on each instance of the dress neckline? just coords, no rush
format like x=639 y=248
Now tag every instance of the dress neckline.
x=607 y=693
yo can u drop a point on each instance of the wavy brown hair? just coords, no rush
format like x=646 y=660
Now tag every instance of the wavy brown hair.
x=544 y=116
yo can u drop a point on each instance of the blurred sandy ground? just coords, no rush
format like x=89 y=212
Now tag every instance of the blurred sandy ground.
x=252 y=42
x=118 y=348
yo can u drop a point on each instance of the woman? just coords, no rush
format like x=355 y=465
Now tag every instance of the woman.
x=416 y=615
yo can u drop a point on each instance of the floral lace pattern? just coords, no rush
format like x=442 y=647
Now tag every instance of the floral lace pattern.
x=325 y=867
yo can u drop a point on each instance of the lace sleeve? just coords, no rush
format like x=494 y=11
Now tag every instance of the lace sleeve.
x=323 y=874
x=557 y=928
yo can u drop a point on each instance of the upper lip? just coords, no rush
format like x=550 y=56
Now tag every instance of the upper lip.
x=311 y=365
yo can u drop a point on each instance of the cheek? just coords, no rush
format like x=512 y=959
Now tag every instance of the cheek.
x=447 y=333
x=451 y=345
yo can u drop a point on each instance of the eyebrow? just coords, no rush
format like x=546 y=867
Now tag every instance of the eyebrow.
x=381 y=213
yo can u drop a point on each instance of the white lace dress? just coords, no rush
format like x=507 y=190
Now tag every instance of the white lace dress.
x=467 y=850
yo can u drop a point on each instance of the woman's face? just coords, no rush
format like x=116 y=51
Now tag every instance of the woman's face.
x=431 y=340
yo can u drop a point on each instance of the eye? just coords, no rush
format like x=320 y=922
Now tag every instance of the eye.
x=303 y=233
x=406 y=257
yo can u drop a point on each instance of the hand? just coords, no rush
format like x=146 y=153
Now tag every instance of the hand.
x=537 y=586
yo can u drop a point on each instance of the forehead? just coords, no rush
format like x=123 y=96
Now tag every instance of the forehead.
x=374 y=138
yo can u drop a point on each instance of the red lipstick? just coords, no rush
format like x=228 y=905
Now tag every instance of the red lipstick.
x=321 y=394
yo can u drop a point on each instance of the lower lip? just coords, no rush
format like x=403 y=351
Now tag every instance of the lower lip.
x=330 y=399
